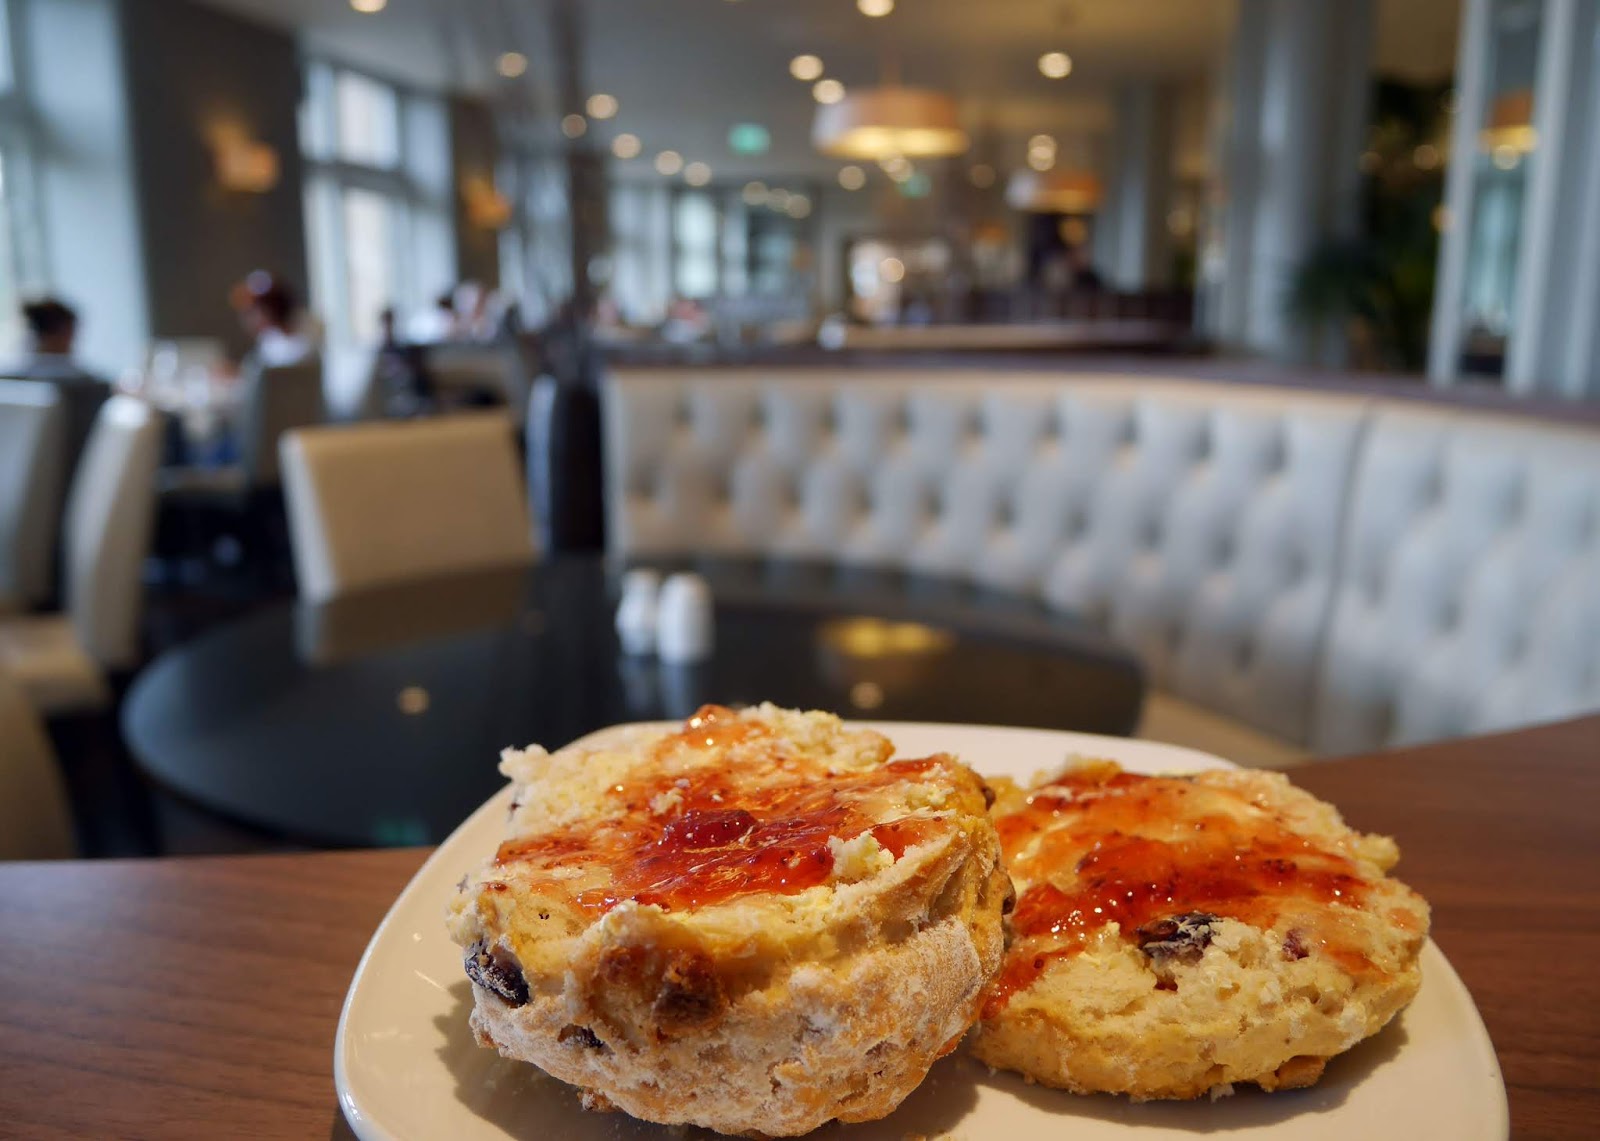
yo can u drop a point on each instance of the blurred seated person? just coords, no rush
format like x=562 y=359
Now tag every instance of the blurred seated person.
x=507 y=319
x=52 y=327
x=52 y=331
x=917 y=309
x=271 y=315
x=471 y=306
x=687 y=321
x=607 y=314
x=436 y=324
x=1085 y=277
x=481 y=314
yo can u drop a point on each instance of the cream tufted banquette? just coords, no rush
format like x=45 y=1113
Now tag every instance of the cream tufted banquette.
x=1468 y=595
x=1334 y=571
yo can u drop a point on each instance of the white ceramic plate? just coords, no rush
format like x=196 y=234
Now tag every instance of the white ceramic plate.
x=408 y=1069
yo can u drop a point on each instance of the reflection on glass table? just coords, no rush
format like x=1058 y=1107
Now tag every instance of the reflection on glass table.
x=378 y=719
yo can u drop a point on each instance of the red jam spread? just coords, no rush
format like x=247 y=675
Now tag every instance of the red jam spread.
x=721 y=840
x=1116 y=846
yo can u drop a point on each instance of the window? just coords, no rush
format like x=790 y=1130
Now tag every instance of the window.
x=773 y=245
x=7 y=72
x=1506 y=150
x=378 y=197
x=21 y=255
x=710 y=244
x=735 y=249
x=536 y=251
x=369 y=231
x=640 y=231
x=695 y=257
x=10 y=333
x=367 y=121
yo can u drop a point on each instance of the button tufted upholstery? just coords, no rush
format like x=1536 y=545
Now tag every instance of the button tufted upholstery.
x=1469 y=594
x=1198 y=523
x=1210 y=527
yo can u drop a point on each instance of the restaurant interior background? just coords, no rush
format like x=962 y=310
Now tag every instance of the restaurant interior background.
x=1362 y=186
x=388 y=387
x=1220 y=342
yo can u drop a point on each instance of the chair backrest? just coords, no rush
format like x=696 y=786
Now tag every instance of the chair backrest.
x=1346 y=572
x=379 y=503
x=32 y=472
x=35 y=814
x=110 y=512
x=1468 y=596
x=370 y=400
x=276 y=400
x=496 y=370
x=81 y=400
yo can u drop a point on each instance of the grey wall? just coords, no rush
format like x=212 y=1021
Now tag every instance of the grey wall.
x=190 y=68
x=475 y=152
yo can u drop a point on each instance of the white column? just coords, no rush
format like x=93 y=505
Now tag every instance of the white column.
x=1552 y=342
x=1472 y=58
x=1224 y=274
x=1578 y=370
x=1137 y=252
x=1106 y=241
x=1298 y=97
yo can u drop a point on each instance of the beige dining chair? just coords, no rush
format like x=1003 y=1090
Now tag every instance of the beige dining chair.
x=380 y=503
x=61 y=660
x=35 y=814
x=273 y=401
x=497 y=371
x=32 y=467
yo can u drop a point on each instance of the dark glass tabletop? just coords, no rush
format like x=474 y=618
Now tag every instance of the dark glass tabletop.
x=378 y=719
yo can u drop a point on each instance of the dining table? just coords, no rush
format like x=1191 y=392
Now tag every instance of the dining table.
x=376 y=718
x=199 y=997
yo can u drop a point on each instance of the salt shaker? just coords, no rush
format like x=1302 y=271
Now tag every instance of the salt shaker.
x=683 y=619
x=636 y=612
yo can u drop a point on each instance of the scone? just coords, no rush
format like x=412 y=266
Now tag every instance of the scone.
x=1176 y=935
x=756 y=924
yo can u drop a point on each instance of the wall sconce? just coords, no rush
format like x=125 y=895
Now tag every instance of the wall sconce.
x=487 y=208
x=243 y=164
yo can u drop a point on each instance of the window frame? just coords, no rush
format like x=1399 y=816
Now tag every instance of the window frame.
x=329 y=176
x=26 y=270
x=539 y=239
x=680 y=252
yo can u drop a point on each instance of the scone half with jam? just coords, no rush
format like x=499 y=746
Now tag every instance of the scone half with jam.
x=1174 y=936
x=757 y=923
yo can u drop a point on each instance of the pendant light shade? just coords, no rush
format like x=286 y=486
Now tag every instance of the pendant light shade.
x=877 y=123
x=1054 y=191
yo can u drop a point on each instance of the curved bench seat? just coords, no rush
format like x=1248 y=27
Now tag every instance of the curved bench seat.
x=1306 y=571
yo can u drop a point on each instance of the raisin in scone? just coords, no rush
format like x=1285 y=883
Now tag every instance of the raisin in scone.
x=755 y=924
x=1175 y=935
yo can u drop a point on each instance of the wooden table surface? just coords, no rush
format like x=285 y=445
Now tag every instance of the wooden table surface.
x=199 y=997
